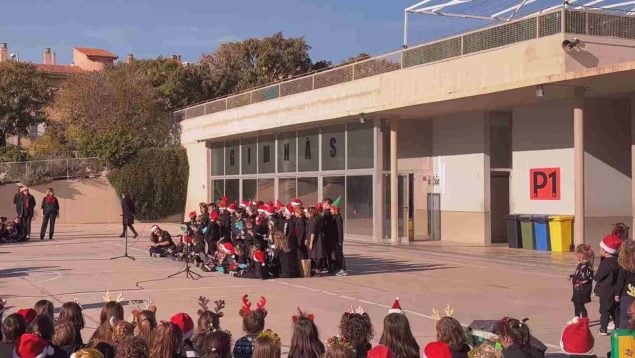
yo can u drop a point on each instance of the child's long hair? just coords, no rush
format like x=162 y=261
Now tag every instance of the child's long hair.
x=72 y=312
x=267 y=345
x=338 y=347
x=44 y=307
x=620 y=230
x=358 y=329
x=305 y=342
x=280 y=241
x=585 y=252
x=167 y=341
x=254 y=321
x=44 y=327
x=103 y=333
x=398 y=337
x=626 y=255
x=146 y=324
x=64 y=334
x=217 y=345
x=13 y=327
x=516 y=331
x=133 y=347
x=450 y=331
x=122 y=331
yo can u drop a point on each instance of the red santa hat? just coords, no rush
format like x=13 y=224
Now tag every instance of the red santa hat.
x=380 y=351
x=437 y=350
x=29 y=315
x=184 y=321
x=192 y=214
x=577 y=337
x=279 y=206
x=231 y=208
x=245 y=203
x=213 y=215
x=270 y=203
x=610 y=243
x=262 y=209
x=289 y=208
x=32 y=346
x=222 y=204
x=296 y=202
x=260 y=257
x=228 y=248
x=396 y=307
x=319 y=207
x=269 y=209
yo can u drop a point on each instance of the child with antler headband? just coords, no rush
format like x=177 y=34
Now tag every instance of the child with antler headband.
x=111 y=313
x=208 y=321
x=253 y=325
x=305 y=342
x=357 y=328
x=582 y=279
x=450 y=336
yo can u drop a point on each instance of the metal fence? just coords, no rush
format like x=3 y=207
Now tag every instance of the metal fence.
x=42 y=171
x=595 y=23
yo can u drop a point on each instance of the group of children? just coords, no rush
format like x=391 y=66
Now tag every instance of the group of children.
x=35 y=332
x=259 y=240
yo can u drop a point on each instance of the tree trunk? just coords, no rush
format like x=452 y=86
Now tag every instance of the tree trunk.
x=3 y=139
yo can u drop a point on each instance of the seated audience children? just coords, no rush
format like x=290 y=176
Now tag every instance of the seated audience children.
x=64 y=337
x=87 y=353
x=339 y=347
x=450 y=332
x=133 y=347
x=397 y=335
x=44 y=327
x=121 y=331
x=13 y=327
x=44 y=307
x=208 y=321
x=111 y=313
x=305 y=342
x=217 y=345
x=253 y=325
x=267 y=345
x=146 y=324
x=356 y=328
x=166 y=341
x=71 y=312
x=29 y=316
x=161 y=242
x=32 y=345
x=516 y=339
x=380 y=351
x=186 y=324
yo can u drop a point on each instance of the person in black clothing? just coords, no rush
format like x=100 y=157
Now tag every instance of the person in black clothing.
x=328 y=230
x=44 y=327
x=285 y=257
x=161 y=242
x=340 y=269
x=625 y=286
x=516 y=340
x=225 y=223
x=26 y=210
x=212 y=236
x=129 y=212
x=606 y=278
x=299 y=227
x=50 y=212
x=582 y=279
x=16 y=199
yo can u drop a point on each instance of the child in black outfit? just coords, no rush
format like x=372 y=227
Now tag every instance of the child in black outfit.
x=606 y=278
x=582 y=279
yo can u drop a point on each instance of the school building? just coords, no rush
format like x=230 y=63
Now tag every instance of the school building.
x=443 y=140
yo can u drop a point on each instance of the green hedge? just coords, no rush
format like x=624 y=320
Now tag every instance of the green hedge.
x=12 y=153
x=157 y=178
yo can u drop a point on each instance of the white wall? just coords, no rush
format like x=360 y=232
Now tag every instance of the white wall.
x=198 y=181
x=607 y=190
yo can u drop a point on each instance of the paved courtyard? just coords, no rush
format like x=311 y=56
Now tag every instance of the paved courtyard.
x=480 y=283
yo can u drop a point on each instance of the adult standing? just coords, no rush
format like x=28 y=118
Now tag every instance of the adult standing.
x=328 y=230
x=16 y=199
x=339 y=248
x=26 y=210
x=50 y=212
x=128 y=211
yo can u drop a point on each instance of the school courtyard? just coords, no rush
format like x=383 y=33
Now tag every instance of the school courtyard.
x=479 y=282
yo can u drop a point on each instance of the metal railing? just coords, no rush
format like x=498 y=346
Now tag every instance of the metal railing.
x=596 y=23
x=42 y=171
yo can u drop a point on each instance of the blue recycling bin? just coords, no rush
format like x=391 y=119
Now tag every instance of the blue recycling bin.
x=541 y=232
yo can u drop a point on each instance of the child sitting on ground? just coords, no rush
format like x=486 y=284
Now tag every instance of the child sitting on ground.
x=253 y=325
x=516 y=339
x=166 y=341
x=186 y=324
x=267 y=345
x=582 y=279
x=111 y=313
x=450 y=332
x=397 y=335
x=305 y=342
x=339 y=347
x=208 y=321
x=64 y=337
x=357 y=329
x=13 y=327
x=71 y=312
x=606 y=278
x=44 y=307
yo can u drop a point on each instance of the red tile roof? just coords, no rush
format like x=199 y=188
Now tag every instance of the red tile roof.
x=96 y=52
x=60 y=69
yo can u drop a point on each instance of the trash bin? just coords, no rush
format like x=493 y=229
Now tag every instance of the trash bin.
x=526 y=232
x=561 y=232
x=513 y=232
x=541 y=232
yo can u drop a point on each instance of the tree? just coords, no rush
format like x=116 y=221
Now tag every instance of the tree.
x=24 y=95
x=236 y=66
x=176 y=85
x=113 y=113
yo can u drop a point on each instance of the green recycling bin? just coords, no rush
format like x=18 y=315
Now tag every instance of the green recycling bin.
x=527 y=232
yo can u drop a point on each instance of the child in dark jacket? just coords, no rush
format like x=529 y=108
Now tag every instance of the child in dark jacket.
x=606 y=278
x=582 y=279
x=625 y=287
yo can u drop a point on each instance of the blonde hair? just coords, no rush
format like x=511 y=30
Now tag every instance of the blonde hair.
x=626 y=255
x=586 y=252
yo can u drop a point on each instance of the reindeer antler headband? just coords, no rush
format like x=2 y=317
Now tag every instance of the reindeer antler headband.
x=108 y=298
x=262 y=302
x=358 y=310
x=449 y=311
x=301 y=314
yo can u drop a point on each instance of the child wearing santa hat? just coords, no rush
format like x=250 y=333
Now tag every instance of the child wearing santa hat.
x=577 y=338
x=32 y=346
x=606 y=278
x=397 y=334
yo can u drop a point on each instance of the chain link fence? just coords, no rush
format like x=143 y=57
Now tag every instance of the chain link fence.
x=42 y=171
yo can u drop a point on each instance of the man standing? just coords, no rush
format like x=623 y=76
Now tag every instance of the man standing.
x=328 y=230
x=339 y=248
x=26 y=210
x=129 y=212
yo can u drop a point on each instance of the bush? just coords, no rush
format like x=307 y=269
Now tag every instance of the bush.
x=157 y=179
x=116 y=147
x=13 y=154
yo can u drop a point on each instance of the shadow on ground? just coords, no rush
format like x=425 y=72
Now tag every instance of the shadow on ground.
x=364 y=265
x=26 y=271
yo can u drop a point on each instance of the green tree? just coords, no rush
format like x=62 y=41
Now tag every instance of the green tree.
x=239 y=65
x=24 y=95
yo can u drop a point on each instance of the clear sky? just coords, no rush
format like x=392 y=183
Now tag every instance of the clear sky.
x=335 y=29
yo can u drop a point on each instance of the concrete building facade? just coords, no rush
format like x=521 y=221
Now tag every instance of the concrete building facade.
x=442 y=140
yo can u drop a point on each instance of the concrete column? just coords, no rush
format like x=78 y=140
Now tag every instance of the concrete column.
x=394 y=205
x=578 y=168
x=378 y=183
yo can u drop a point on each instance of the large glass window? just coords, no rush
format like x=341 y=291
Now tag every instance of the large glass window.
x=231 y=189
x=266 y=154
x=266 y=190
x=359 y=205
x=333 y=187
x=218 y=159
x=308 y=146
x=248 y=155
x=250 y=188
x=360 y=147
x=286 y=153
x=333 y=148
x=232 y=158
x=286 y=189
x=219 y=189
x=308 y=190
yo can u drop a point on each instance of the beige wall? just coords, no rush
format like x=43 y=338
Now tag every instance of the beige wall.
x=82 y=61
x=465 y=227
x=198 y=181
x=594 y=51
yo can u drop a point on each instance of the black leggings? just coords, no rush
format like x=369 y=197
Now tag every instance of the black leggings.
x=131 y=229
x=580 y=310
x=45 y=221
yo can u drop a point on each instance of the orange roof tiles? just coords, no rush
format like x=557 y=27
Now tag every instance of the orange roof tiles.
x=96 y=52
x=60 y=69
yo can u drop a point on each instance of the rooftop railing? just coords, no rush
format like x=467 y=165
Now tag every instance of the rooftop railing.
x=589 y=22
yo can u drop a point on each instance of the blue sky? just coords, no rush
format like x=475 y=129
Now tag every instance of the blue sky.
x=336 y=29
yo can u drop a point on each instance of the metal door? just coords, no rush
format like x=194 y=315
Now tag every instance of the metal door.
x=434 y=216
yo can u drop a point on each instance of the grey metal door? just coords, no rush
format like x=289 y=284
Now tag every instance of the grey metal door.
x=434 y=216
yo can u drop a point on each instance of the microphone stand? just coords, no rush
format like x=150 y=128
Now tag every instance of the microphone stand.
x=186 y=268
x=125 y=254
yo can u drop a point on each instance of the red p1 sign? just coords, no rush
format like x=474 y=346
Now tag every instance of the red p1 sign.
x=544 y=184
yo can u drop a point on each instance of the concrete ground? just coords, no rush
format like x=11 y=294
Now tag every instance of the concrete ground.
x=479 y=282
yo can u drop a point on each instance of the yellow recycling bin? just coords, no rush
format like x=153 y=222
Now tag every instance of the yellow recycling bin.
x=561 y=233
